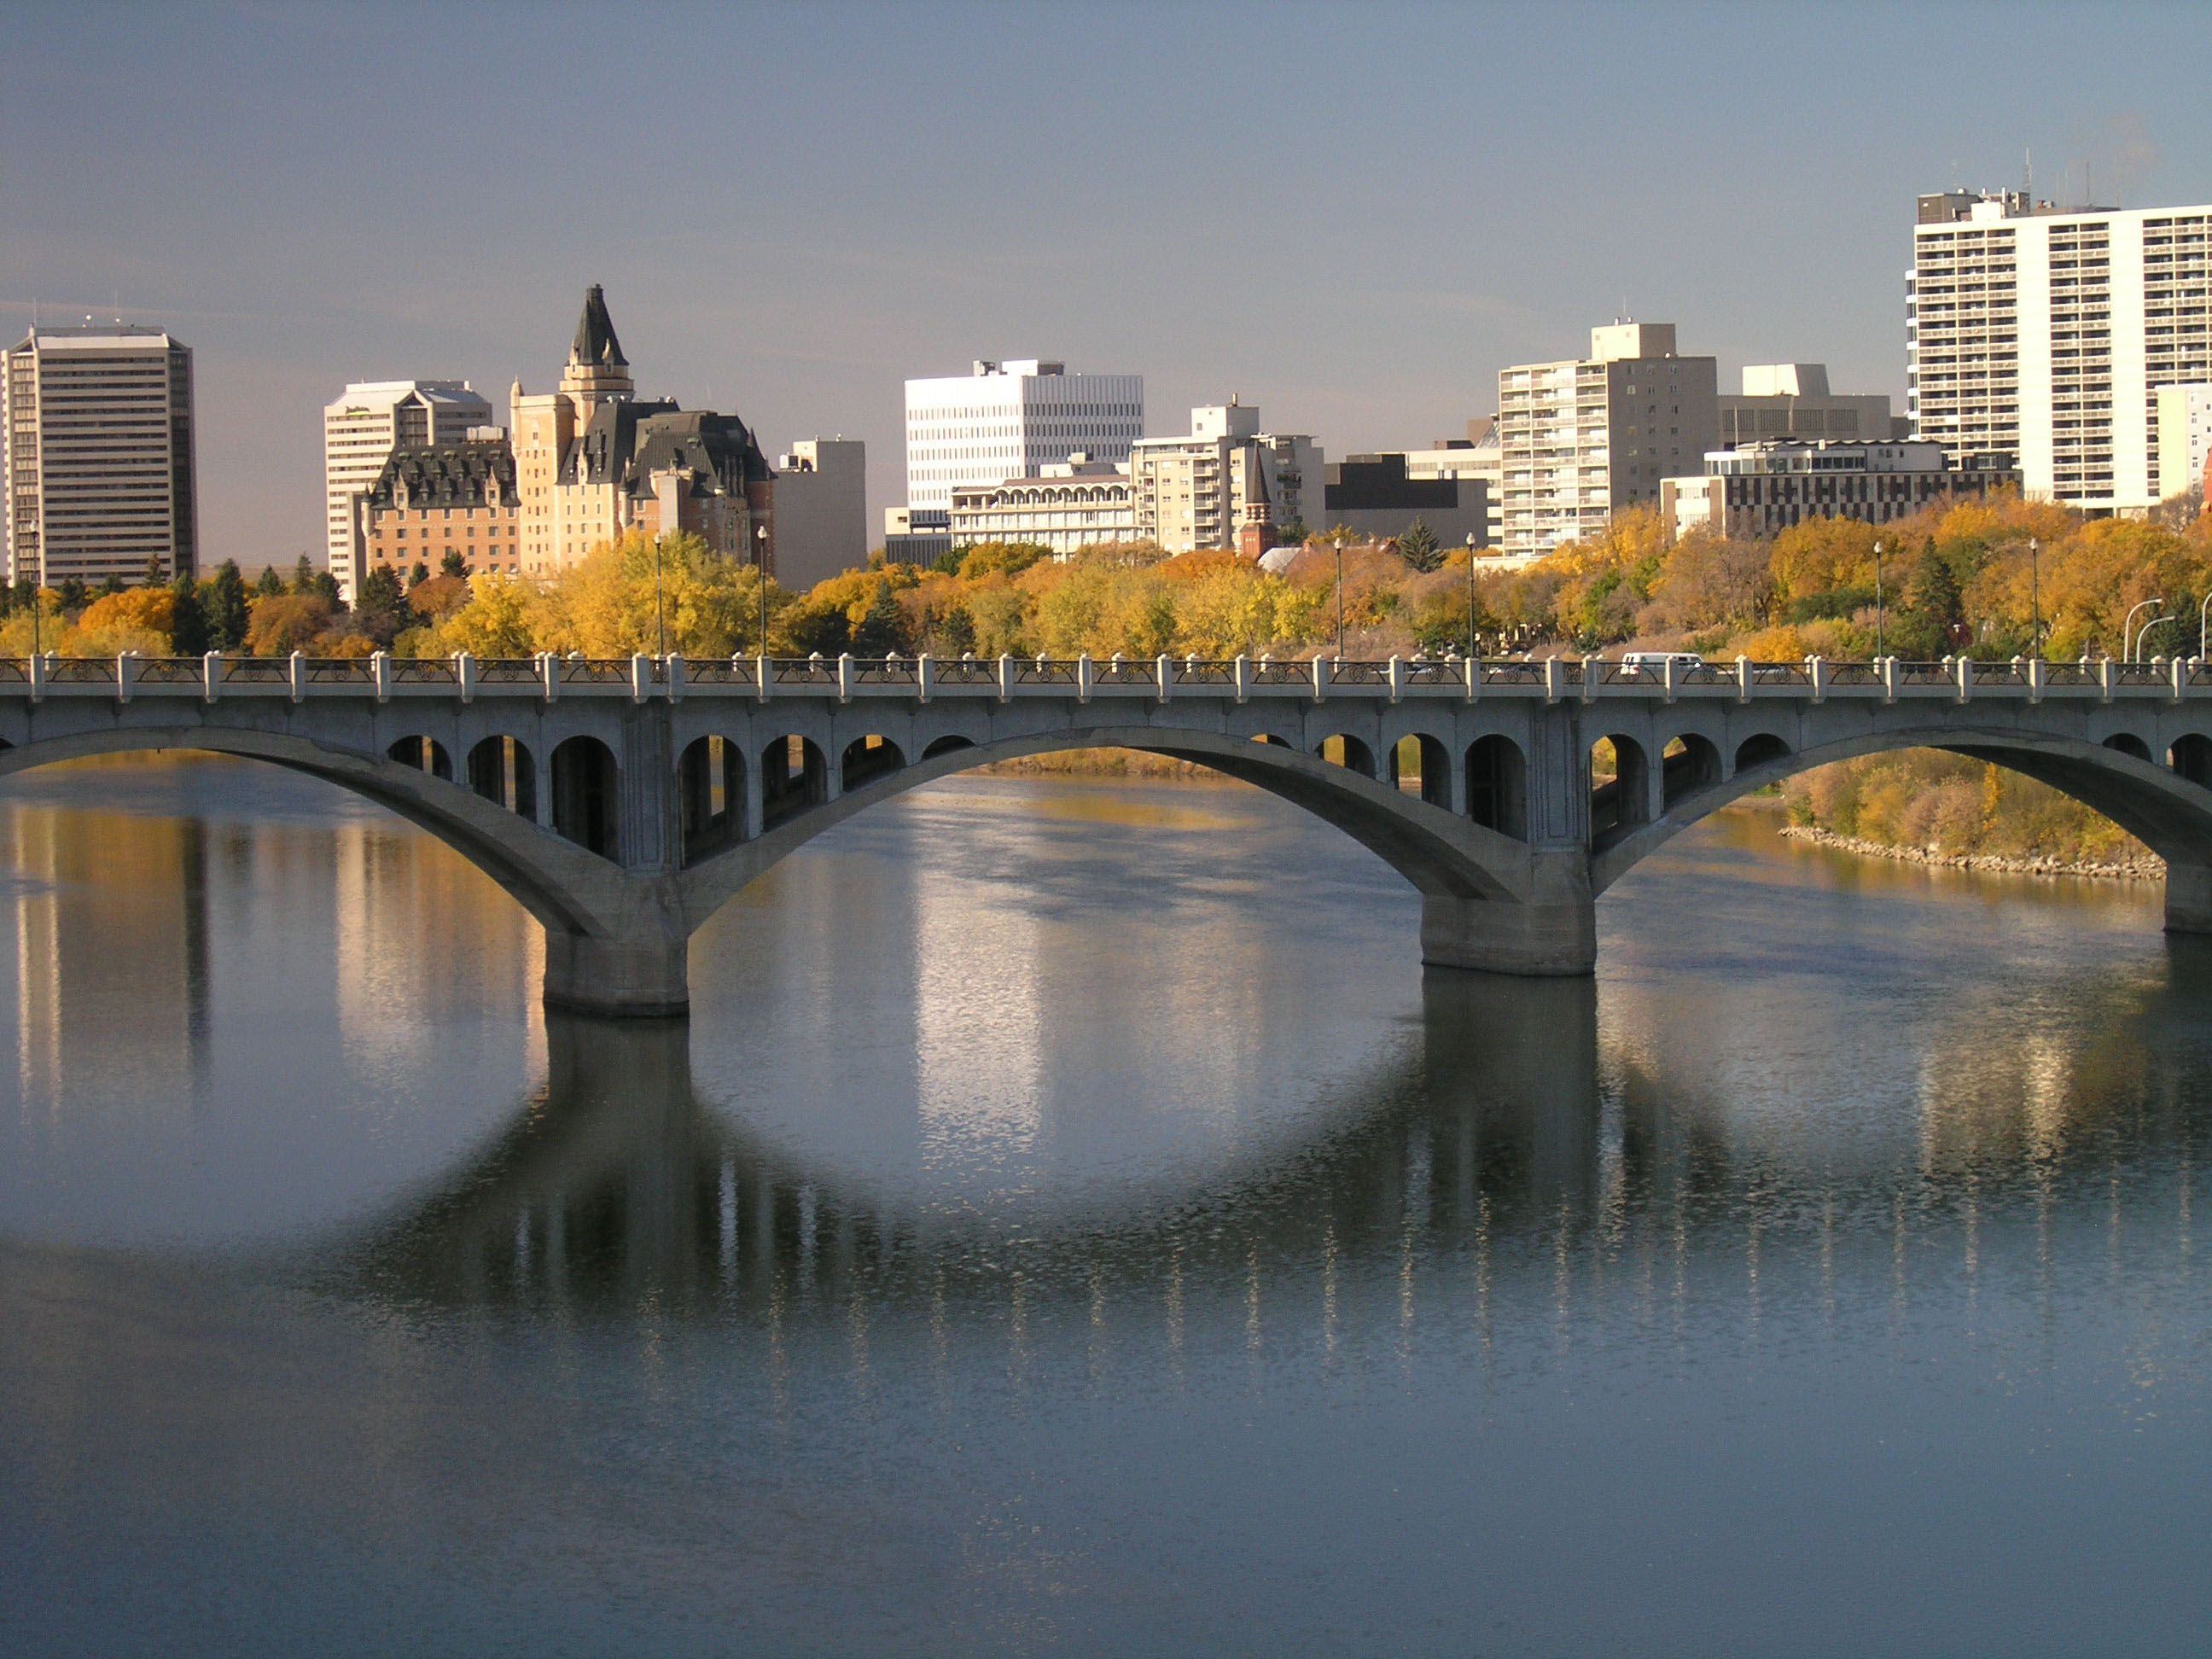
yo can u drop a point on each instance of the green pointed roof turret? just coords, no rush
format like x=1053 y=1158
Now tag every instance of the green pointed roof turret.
x=595 y=333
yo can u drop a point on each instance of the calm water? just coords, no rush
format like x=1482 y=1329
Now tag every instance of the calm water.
x=1070 y=1224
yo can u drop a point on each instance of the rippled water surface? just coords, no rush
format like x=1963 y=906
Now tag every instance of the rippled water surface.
x=1070 y=1223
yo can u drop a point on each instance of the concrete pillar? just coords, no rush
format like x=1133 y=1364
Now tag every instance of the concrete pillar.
x=650 y=803
x=2188 y=898
x=644 y=974
x=1552 y=934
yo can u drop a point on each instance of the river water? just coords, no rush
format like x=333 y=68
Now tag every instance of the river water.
x=1071 y=1224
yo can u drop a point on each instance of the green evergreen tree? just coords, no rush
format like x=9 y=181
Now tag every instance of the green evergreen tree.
x=303 y=575
x=419 y=574
x=1418 y=547
x=112 y=586
x=271 y=586
x=226 y=608
x=326 y=589
x=381 y=605
x=451 y=564
x=72 y=593
x=882 y=629
x=189 y=635
x=157 y=571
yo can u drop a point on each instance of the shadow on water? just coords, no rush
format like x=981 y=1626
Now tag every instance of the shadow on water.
x=1507 y=1131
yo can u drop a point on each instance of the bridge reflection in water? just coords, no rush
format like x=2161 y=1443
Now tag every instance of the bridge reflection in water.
x=1513 y=1177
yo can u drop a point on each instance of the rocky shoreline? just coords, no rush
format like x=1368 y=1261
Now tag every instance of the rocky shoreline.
x=2152 y=869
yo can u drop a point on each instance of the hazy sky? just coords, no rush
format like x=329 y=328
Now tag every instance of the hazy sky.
x=1350 y=216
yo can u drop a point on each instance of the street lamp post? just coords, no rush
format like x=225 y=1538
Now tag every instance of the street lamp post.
x=1877 y=602
x=1470 y=593
x=760 y=563
x=1339 y=597
x=2200 y=625
x=659 y=609
x=2035 y=596
x=2127 y=626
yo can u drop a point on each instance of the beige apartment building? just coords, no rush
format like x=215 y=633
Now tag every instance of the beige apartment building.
x=428 y=500
x=1580 y=438
x=1205 y=489
x=98 y=455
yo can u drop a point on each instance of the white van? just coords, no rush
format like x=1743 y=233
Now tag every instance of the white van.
x=1655 y=662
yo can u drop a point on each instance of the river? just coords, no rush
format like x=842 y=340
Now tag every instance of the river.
x=1071 y=1224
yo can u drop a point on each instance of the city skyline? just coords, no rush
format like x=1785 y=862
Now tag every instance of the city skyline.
x=1384 y=254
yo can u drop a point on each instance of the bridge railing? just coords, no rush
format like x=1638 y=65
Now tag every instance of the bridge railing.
x=1582 y=678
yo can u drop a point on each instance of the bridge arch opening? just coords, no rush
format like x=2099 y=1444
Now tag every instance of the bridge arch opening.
x=1498 y=785
x=2127 y=743
x=2190 y=757
x=1759 y=749
x=865 y=759
x=1270 y=739
x=1687 y=765
x=795 y=776
x=1621 y=786
x=1421 y=765
x=1345 y=751
x=584 y=796
x=424 y=754
x=946 y=746
x=502 y=771
x=710 y=788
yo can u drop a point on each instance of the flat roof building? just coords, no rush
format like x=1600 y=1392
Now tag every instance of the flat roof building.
x=1077 y=503
x=820 y=510
x=99 y=455
x=1792 y=400
x=2046 y=333
x=2185 y=439
x=1477 y=456
x=1006 y=419
x=1581 y=438
x=1759 y=489
x=1375 y=495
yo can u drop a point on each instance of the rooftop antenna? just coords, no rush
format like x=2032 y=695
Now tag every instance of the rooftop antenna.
x=2027 y=175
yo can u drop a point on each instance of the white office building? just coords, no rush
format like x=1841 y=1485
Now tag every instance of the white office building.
x=99 y=455
x=1077 y=503
x=370 y=420
x=2184 y=438
x=1006 y=420
x=1760 y=489
x=1578 y=440
x=2046 y=333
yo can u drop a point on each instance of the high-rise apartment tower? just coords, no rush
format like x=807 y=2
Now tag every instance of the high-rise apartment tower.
x=1007 y=419
x=2045 y=333
x=98 y=459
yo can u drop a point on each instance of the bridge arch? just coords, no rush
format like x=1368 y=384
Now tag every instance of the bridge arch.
x=2162 y=807
x=552 y=881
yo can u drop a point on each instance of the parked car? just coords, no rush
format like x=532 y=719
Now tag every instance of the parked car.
x=1655 y=662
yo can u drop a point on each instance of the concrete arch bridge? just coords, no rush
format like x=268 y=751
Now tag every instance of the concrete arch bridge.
x=623 y=802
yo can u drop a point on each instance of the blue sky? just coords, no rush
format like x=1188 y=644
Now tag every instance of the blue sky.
x=1352 y=217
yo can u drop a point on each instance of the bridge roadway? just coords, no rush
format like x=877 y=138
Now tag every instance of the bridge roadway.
x=623 y=802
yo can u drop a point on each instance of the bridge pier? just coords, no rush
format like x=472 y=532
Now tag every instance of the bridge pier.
x=1551 y=935
x=2188 y=897
x=644 y=974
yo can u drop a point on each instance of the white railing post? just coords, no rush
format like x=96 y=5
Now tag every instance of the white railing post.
x=2105 y=678
x=1165 y=669
x=1964 y=668
x=675 y=677
x=1397 y=677
x=845 y=676
x=1241 y=672
x=1743 y=679
x=211 y=676
x=2035 y=679
x=123 y=659
x=548 y=673
x=299 y=677
x=1593 y=667
x=764 y=675
x=1320 y=676
x=1474 y=677
x=925 y=676
x=1887 y=665
x=640 y=676
x=2179 y=670
x=1082 y=677
x=1816 y=669
x=465 y=674
x=1666 y=676
x=1005 y=678
x=1555 y=679
x=38 y=667
x=380 y=674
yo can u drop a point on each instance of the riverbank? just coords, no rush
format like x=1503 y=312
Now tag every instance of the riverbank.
x=2149 y=867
